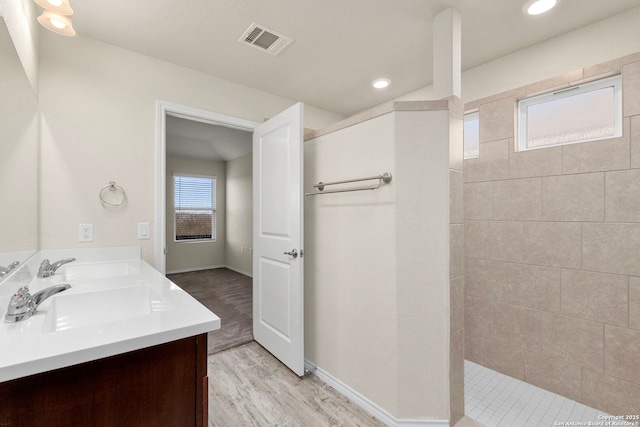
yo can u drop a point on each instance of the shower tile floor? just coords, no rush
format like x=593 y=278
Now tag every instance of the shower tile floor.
x=497 y=400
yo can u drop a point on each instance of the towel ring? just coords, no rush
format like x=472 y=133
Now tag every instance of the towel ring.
x=112 y=186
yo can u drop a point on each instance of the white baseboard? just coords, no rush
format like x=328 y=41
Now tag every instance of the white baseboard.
x=210 y=267
x=368 y=405
x=188 y=270
x=237 y=270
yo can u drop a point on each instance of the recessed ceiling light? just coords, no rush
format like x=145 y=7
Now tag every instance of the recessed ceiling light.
x=380 y=83
x=59 y=24
x=536 y=7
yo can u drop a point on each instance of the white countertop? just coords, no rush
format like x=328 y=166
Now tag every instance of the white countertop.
x=154 y=311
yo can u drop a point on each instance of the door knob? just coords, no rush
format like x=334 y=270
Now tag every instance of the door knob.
x=293 y=253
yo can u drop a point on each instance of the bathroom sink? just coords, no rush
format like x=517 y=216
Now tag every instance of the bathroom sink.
x=99 y=270
x=103 y=307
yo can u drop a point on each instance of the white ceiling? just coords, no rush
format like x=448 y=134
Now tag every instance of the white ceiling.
x=339 y=46
x=205 y=141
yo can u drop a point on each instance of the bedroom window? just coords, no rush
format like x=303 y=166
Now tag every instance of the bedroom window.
x=587 y=112
x=194 y=207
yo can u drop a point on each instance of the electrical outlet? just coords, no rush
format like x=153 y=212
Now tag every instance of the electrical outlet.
x=241 y=249
x=85 y=233
x=250 y=251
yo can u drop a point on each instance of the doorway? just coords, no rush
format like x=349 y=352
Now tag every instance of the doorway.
x=277 y=169
x=209 y=193
x=192 y=123
x=208 y=217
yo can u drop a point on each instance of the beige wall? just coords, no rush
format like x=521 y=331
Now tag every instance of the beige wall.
x=234 y=220
x=98 y=105
x=552 y=244
x=377 y=262
x=188 y=256
x=422 y=253
x=239 y=214
x=350 y=301
x=599 y=42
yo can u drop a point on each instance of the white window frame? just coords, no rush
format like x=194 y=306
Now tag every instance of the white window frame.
x=214 y=216
x=469 y=117
x=523 y=104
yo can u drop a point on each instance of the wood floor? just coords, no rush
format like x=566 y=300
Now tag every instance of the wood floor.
x=249 y=387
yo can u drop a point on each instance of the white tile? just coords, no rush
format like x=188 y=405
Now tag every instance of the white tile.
x=566 y=410
x=578 y=412
x=590 y=414
x=484 y=419
x=497 y=400
x=495 y=420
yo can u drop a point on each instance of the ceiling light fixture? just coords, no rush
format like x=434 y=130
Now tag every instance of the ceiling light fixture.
x=536 y=7
x=61 y=7
x=380 y=83
x=56 y=16
x=59 y=24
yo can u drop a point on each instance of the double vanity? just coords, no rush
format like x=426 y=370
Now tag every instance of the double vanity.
x=120 y=345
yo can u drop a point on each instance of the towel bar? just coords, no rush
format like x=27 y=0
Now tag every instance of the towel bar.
x=384 y=178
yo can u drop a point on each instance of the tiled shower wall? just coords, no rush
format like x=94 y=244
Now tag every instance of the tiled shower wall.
x=552 y=241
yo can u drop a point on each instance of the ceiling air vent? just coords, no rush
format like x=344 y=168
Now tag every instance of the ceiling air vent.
x=265 y=39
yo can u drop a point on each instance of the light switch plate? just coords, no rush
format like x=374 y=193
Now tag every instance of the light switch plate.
x=143 y=231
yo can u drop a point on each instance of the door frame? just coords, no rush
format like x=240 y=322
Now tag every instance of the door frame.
x=164 y=108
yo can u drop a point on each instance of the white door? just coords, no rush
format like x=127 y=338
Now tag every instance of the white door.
x=278 y=296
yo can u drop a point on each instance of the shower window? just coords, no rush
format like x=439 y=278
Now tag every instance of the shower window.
x=471 y=136
x=194 y=203
x=587 y=112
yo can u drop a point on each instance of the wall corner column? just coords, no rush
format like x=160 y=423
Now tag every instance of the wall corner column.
x=421 y=181
x=447 y=54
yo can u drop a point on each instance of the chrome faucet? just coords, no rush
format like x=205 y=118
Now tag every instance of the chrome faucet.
x=47 y=269
x=6 y=270
x=23 y=305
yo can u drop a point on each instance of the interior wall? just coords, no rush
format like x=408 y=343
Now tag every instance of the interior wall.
x=98 y=124
x=350 y=298
x=552 y=242
x=197 y=255
x=593 y=44
x=422 y=252
x=239 y=214
x=377 y=262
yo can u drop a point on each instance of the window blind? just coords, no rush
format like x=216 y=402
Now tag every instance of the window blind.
x=194 y=207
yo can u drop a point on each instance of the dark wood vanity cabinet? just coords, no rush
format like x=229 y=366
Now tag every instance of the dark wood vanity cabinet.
x=160 y=386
